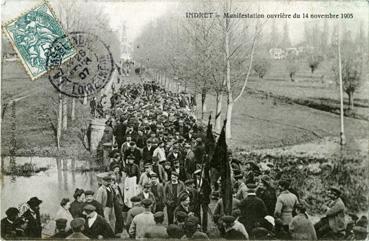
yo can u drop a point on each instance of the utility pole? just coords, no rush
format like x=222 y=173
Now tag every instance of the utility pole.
x=342 y=133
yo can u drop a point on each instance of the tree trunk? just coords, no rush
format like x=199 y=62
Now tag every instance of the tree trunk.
x=351 y=100
x=203 y=104
x=218 y=112
x=73 y=110
x=229 y=119
x=65 y=113
x=59 y=120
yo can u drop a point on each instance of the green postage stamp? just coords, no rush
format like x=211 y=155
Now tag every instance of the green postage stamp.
x=32 y=36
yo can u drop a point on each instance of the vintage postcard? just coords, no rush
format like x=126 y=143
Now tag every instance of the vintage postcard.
x=200 y=119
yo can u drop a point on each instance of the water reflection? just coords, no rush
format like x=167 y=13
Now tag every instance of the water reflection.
x=59 y=181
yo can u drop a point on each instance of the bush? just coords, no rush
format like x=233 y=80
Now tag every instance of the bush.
x=313 y=61
x=261 y=67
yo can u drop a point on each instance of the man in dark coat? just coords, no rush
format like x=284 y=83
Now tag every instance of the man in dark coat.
x=77 y=226
x=252 y=209
x=172 y=190
x=158 y=190
x=147 y=152
x=8 y=226
x=119 y=132
x=32 y=216
x=96 y=226
x=133 y=151
x=189 y=190
x=267 y=193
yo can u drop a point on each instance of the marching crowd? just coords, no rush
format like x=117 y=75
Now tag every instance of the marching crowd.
x=153 y=187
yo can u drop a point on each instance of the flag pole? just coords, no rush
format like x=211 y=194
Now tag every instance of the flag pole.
x=342 y=133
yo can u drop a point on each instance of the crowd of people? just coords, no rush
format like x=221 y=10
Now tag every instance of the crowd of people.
x=153 y=186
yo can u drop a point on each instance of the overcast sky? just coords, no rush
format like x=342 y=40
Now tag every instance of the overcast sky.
x=137 y=14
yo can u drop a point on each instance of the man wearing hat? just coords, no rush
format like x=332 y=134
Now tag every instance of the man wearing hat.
x=157 y=231
x=242 y=188
x=60 y=232
x=134 y=211
x=105 y=196
x=32 y=216
x=145 y=176
x=189 y=161
x=267 y=193
x=147 y=194
x=158 y=190
x=8 y=227
x=134 y=151
x=231 y=233
x=77 y=226
x=181 y=218
x=192 y=231
x=285 y=204
x=361 y=229
x=147 y=152
x=172 y=190
x=159 y=152
x=252 y=208
x=175 y=232
x=159 y=169
x=89 y=195
x=96 y=226
x=189 y=190
x=178 y=168
x=141 y=221
x=333 y=224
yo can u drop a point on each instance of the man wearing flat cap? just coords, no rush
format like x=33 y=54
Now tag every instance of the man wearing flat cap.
x=89 y=195
x=141 y=221
x=60 y=233
x=252 y=208
x=172 y=190
x=32 y=216
x=157 y=231
x=147 y=194
x=77 y=226
x=134 y=211
x=96 y=226
x=8 y=227
x=333 y=225
x=158 y=190
x=286 y=202
x=231 y=233
x=105 y=196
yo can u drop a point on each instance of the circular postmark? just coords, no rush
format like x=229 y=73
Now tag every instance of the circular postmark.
x=87 y=72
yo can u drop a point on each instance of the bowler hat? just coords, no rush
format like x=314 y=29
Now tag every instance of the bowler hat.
x=34 y=201
x=11 y=212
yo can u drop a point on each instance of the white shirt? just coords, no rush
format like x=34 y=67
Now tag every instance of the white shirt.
x=146 y=195
x=92 y=220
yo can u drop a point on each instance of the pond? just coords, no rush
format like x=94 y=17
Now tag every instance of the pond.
x=57 y=182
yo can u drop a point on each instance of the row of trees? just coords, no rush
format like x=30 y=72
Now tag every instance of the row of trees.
x=76 y=16
x=213 y=55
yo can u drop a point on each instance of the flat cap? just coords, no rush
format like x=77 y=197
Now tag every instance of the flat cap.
x=192 y=220
x=228 y=219
x=181 y=215
x=189 y=181
x=198 y=171
x=147 y=185
x=175 y=174
x=153 y=174
x=159 y=214
x=135 y=199
x=89 y=207
x=89 y=192
x=61 y=222
x=77 y=223
x=336 y=190
x=146 y=203
x=107 y=178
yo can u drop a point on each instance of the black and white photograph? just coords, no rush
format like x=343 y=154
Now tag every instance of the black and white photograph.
x=184 y=120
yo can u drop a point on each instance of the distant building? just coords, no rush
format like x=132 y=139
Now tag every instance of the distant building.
x=126 y=46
